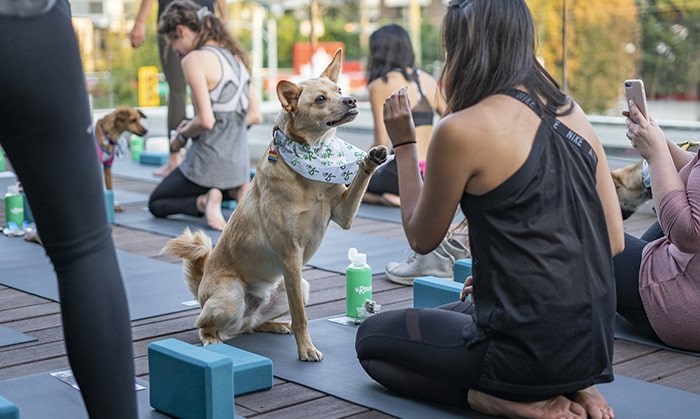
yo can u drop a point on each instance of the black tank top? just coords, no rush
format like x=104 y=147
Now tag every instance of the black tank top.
x=422 y=113
x=544 y=287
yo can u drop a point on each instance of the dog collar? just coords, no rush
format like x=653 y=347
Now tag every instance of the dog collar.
x=332 y=161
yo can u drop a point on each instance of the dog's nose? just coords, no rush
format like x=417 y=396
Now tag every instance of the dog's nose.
x=350 y=101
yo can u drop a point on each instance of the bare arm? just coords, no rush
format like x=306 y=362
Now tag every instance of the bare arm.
x=650 y=141
x=194 y=70
x=223 y=12
x=425 y=223
x=137 y=36
x=378 y=92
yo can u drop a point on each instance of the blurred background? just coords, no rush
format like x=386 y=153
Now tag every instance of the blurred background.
x=590 y=46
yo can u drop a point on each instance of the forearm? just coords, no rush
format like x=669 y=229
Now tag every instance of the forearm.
x=680 y=157
x=664 y=176
x=410 y=184
x=142 y=13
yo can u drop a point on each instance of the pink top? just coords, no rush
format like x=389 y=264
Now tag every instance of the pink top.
x=669 y=278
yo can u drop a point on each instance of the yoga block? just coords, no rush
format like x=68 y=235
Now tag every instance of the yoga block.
x=232 y=204
x=8 y=410
x=251 y=372
x=109 y=205
x=188 y=381
x=462 y=269
x=153 y=158
x=431 y=291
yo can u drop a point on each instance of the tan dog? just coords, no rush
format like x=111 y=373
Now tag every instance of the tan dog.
x=629 y=184
x=108 y=130
x=253 y=275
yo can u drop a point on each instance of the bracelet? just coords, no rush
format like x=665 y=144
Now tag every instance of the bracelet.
x=404 y=143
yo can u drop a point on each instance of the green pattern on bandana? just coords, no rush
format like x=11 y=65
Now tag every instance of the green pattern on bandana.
x=332 y=161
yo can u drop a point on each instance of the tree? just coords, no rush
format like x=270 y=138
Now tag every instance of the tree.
x=599 y=55
x=670 y=36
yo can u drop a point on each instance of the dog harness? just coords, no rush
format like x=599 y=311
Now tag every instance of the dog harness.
x=103 y=153
x=331 y=161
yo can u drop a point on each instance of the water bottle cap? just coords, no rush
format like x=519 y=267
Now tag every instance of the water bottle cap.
x=357 y=258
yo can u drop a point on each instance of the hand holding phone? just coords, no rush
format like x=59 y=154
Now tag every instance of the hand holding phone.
x=634 y=91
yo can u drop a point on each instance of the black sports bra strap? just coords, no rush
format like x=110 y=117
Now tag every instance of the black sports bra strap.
x=558 y=126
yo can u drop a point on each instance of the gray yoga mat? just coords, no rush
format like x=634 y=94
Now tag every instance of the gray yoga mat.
x=125 y=197
x=153 y=288
x=340 y=375
x=42 y=396
x=392 y=214
x=129 y=169
x=12 y=337
x=625 y=331
x=331 y=255
x=171 y=226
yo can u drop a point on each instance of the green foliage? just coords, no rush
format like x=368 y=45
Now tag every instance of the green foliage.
x=670 y=39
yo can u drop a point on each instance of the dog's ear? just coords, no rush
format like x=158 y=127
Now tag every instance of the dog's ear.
x=333 y=69
x=123 y=114
x=143 y=115
x=288 y=94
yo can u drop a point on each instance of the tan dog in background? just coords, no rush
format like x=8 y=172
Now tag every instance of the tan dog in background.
x=253 y=275
x=629 y=183
x=108 y=130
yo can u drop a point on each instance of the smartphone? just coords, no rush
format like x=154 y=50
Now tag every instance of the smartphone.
x=634 y=91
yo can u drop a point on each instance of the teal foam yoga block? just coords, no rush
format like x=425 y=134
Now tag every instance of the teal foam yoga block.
x=251 y=372
x=188 y=381
x=431 y=291
x=8 y=410
x=462 y=269
x=153 y=158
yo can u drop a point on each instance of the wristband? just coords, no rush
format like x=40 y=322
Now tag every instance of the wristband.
x=404 y=143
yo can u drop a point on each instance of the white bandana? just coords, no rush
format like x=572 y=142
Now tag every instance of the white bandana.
x=332 y=161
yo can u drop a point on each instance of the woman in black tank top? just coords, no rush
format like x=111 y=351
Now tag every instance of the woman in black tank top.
x=531 y=176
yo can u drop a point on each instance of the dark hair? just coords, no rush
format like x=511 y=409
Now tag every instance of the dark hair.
x=490 y=47
x=390 y=49
x=207 y=27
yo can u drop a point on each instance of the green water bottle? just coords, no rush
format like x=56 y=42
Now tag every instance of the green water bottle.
x=136 y=145
x=358 y=285
x=14 y=206
x=2 y=160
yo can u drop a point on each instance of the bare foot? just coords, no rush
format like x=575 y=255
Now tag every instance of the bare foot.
x=210 y=205
x=558 y=407
x=173 y=162
x=594 y=403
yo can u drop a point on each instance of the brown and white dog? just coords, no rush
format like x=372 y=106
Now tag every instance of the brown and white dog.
x=253 y=275
x=629 y=183
x=108 y=130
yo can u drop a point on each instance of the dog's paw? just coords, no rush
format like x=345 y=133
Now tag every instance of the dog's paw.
x=283 y=328
x=118 y=208
x=310 y=354
x=376 y=155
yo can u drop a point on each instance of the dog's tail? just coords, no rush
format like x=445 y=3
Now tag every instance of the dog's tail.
x=194 y=249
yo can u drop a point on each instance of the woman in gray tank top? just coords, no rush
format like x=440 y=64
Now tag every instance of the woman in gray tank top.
x=216 y=166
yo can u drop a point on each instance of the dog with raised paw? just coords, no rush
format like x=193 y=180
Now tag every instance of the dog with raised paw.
x=108 y=132
x=254 y=274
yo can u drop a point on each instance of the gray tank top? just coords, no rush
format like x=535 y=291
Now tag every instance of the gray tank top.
x=220 y=158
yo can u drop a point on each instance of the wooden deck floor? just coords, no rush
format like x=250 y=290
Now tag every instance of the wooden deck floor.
x=41 y=318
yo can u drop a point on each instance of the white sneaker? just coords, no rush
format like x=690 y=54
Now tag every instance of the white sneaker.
x=437 y=263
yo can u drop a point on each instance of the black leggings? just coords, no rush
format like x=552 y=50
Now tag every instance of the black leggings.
x=47 y=134
x=178 y=195
x=627 y=264
x=421 y=353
